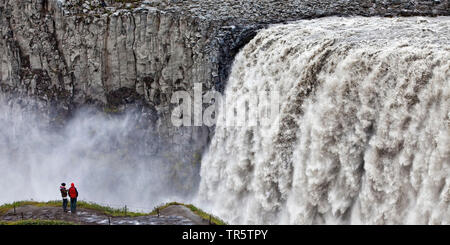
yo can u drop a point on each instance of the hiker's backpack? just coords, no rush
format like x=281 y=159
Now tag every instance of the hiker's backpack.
x=63 y=192
x=73 y=193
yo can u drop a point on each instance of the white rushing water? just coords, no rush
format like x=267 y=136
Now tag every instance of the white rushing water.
x=363 y=133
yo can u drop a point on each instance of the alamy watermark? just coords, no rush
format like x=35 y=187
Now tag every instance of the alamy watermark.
x=244 y=108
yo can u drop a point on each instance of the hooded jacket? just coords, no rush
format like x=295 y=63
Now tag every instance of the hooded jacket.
x=73 y=192
x=63 y=191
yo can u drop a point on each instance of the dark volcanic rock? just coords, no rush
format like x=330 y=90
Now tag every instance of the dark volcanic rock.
x=69 y=53
x=87 y=53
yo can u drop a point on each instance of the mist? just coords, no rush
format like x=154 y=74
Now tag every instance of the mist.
x=113 y=159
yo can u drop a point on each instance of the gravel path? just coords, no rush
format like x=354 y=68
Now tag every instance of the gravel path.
x=174 y=215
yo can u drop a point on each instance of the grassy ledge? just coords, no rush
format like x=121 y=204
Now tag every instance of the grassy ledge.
x=99 y=208
x=80 y=204
x=37 y=222
x=214 y=220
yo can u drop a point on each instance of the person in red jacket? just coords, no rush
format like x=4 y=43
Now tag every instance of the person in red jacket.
x=73 y=194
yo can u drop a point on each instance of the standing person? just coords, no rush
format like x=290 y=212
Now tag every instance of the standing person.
x=73 y=194
x=63 y=191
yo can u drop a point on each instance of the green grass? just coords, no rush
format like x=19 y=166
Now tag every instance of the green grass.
x=164 y=206
x=80 y=204
x=6 y=207
x=36 y=222
x=96 y=207
x=194 y=209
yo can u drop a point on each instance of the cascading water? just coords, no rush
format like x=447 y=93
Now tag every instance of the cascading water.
x=363 y=130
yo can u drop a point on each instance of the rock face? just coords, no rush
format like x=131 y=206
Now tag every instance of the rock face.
x=70 y=53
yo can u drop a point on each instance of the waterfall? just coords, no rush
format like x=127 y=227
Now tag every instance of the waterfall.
x=363 y=130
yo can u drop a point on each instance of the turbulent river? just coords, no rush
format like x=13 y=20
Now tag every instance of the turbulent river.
x=363 y=130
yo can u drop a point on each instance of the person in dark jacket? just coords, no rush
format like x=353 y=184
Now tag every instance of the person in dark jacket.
x=63 y=191
x=73 y=194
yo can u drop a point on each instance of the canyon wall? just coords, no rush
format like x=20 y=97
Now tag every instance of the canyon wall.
x=69 y=54
x=57 y=56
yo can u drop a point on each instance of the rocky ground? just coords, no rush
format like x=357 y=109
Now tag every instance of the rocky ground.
x=173 y=215
x=264 y=11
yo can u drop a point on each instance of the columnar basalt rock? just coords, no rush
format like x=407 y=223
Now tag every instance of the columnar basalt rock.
x=71 y=53
x=117 y=56
x=77 y=52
